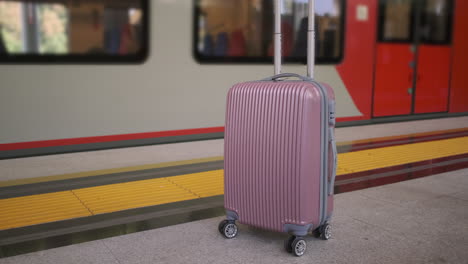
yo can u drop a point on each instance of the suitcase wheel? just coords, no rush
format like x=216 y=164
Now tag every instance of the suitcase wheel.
x=325 y=231
x=316 y=233
x=221 y=226
x=288 y=244
x=296 y=245
x=228 y=229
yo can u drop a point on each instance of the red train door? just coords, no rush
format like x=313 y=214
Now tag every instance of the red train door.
x=433 y=62
x=395 y=59
x=413 y=57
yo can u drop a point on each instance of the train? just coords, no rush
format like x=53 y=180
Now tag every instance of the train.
x=83 y=75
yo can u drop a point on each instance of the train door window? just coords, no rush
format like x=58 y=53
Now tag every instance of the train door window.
x=73 y=31
x=396 y=20
x=241 y=30
x=436 y=22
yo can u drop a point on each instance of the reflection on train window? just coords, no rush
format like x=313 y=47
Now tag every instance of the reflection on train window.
x=241 y=30
x=396 y=20
x=73 y=30
x=436 y=21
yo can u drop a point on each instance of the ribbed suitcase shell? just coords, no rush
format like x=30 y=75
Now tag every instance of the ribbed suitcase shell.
x=272 y=154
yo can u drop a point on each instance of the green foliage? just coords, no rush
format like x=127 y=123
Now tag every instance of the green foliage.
x=10 y=25
x=52 y=20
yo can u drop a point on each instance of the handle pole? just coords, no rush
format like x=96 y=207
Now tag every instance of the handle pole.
x=277 y=37
x=311 y=40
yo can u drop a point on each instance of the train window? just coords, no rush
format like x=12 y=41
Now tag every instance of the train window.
x=396 y=20
x=73 y=31
x=241 y=30
x=436 y=21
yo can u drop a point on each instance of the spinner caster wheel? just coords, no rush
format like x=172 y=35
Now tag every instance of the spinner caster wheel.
x=295 y=245
x=228 y=229
x=288 y=244
x=299 y=246
x=316 y=233
x=325 y=232
x=221 y=226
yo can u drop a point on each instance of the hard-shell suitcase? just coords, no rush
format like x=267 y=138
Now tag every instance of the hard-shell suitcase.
x=280 y=152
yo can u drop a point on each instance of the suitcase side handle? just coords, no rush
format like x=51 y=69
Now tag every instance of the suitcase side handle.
x=287 y=75
x=331 y=186
x=332 y=122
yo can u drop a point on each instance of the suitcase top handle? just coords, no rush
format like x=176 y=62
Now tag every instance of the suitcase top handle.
x=288 y=75
x=310 y=39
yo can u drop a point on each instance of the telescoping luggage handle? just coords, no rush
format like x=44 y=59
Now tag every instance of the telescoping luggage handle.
x=310 y=71
x=310 y=39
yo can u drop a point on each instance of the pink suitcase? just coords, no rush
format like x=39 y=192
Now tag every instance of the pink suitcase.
x=280 y=154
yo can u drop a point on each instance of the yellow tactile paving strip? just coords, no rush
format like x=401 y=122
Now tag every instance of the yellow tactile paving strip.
x=210 y=183
x=44 y=208
x=122 y=196
x=397 y=155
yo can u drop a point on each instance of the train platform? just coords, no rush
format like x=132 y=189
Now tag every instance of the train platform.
x=59 y=200
x=417 y=221
x=52 y=167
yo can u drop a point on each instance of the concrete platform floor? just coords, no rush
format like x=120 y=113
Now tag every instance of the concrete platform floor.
x=418 y=221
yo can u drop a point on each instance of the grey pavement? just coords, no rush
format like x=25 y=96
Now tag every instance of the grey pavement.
x=418 y=221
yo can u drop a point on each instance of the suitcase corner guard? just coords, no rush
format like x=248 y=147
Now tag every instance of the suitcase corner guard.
x=297 y=230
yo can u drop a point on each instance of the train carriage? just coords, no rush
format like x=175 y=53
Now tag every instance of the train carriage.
x=82 y=75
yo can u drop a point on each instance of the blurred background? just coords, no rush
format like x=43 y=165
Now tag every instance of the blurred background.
x=71 y=27
x=120 y=73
